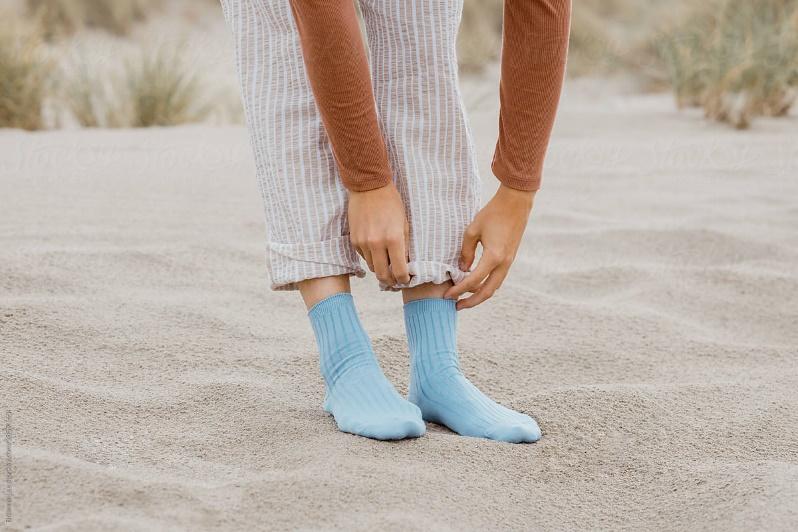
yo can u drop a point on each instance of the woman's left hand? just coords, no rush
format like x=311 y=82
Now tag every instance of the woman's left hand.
x=499 y=226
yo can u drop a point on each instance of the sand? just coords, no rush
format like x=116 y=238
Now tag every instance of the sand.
x=650 y=324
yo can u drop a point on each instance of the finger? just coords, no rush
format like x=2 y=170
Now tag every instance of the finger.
x=367 y=257
x=473 y=279
x=469 y=249
x=486 y=290
x=397 y=256
x=381 y=267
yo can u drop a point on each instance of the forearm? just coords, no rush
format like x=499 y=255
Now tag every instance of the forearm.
x=534 y=50
x=337 y=67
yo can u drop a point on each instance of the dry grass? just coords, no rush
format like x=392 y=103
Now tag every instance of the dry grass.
x=479 y=38
x=155 y=88
x=61 y=18
x=608 y=36
x=591 y=43
x=163 y=91
x=24 y=74
x=617 y=37
x=735 y=58
x=93 y=95
x=738 y=59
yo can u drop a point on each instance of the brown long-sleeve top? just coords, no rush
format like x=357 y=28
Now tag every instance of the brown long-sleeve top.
x=534 y=50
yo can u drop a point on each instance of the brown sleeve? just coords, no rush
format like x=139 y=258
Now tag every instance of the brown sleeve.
x=336 y=64
x=534 y=49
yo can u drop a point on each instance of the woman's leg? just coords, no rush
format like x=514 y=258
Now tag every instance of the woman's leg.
x=414 y=67
x=315 y=290
x=305 y=203
x=425 y=291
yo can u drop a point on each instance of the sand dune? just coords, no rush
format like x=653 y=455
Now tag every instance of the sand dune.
x=156 y=383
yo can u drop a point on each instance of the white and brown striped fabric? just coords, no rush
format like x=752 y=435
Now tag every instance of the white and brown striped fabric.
x=414 y=72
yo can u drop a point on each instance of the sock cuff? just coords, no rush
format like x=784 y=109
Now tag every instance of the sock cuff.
x=431 y=326
x=330 y=304
x=430 y=304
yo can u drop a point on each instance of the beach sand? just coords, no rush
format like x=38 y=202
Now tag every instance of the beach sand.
x=650 y=325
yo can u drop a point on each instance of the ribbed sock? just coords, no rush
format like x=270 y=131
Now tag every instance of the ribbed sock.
x=438 y=386
x=359 y=396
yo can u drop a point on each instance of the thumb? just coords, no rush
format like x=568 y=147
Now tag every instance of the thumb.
x=470 y=240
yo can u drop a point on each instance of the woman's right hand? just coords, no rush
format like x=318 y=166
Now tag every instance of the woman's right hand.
x=379 y=231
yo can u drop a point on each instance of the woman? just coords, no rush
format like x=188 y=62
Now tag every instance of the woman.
x=372 y=158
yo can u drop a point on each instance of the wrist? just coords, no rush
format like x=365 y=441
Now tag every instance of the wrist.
x=515 y=198
x=374 y=190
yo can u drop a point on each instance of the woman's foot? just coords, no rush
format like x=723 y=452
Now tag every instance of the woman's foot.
x=365 y=403
x=439 y=388
x=359 y=396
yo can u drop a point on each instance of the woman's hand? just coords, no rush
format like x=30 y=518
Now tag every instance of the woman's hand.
x=379 y=232
x=499 y=226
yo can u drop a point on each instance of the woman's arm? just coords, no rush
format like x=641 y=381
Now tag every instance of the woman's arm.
x=338 y=71
x=533 y=63
x=336 y=64
x=534 y=50
x=535 y=44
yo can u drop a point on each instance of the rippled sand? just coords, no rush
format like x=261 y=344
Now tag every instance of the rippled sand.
x=650 y=324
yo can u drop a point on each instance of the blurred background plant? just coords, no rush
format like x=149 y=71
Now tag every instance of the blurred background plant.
x=736 y=59
x=479 y=39
x=62 y=18
x=155 y=87
x=24 y=77
x=162 y=90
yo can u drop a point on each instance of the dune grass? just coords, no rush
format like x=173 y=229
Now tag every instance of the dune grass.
x=479 y=38
x=162 y=89
x=153 y=88
x=24 y=75
x=61 y=18
x=736 y=59
x=92 y=95
x=607 y=36
x=610 y=37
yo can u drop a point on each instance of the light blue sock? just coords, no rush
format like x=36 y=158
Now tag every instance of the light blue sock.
x=359 y=396
x=441 y=391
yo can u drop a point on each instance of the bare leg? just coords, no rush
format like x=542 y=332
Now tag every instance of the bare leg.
x=425 y=291
x=314 y=290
